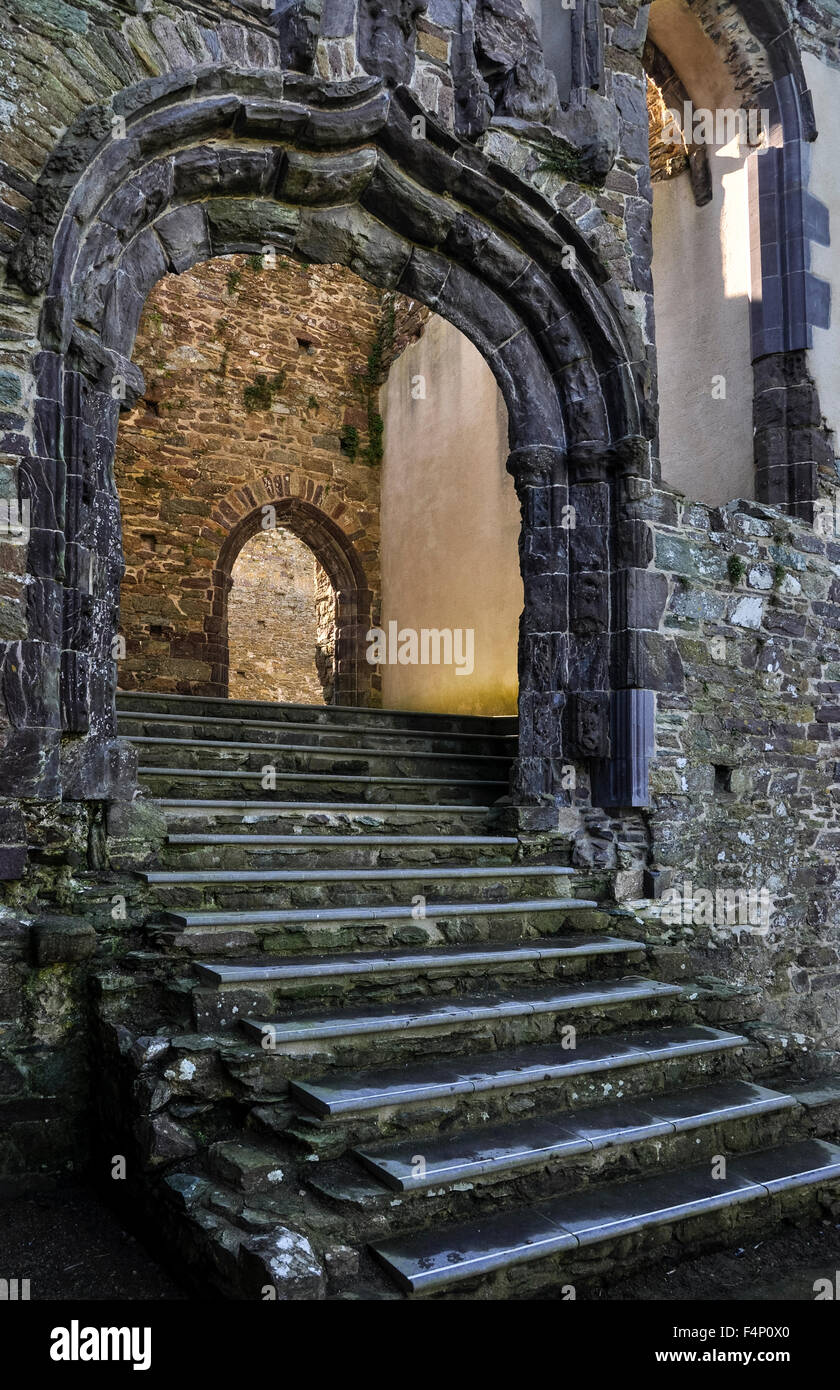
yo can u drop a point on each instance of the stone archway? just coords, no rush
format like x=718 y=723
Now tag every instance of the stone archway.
x=339 y=559
x=213 y=161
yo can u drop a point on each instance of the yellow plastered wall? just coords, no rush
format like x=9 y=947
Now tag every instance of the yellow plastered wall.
x=450 y=524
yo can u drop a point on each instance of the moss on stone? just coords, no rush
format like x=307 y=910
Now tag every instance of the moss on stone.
x=736 y=569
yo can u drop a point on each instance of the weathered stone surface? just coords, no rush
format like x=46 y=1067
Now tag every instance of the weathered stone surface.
x=168 y=1140
x=62 y=939
x=510 y=60
x=284 y=1261
x=248 y=1169
x=386 y=35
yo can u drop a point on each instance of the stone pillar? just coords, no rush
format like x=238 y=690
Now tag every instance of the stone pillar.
x=642 y=658
x=540 y=477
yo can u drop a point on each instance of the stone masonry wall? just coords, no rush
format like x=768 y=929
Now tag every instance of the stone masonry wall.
x=273 y=621
x=746 y=784
x=253 y=380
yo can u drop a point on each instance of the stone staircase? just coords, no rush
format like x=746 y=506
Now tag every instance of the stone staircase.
x=371 y=1046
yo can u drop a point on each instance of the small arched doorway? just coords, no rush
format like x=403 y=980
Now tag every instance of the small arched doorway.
x=288 y=570
x=281 y=622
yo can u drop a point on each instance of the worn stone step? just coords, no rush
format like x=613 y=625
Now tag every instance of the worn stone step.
x=456 y=874
x=427 y=1016
x=138 y=724
x=495 y=1152
x=208 y=706
x=229 y=755
x=236 y=851
x=325 y=888
x=435 y=1260
x=229 y=992
x=237 y=934
x=169 y=782
x=326 y=817
x=279 y=917
x=526 y=1071
x=475 y=1171
x=385 y=962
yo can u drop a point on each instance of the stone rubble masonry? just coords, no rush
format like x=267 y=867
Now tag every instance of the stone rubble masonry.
x=745 y=784
x=193 y=459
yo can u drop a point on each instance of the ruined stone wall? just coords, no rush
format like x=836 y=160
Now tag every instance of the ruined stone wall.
x=745 y=787
x=273 y=621
x=253 y=381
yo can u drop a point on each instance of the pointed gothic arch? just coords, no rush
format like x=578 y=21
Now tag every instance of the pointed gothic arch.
x=343 y=566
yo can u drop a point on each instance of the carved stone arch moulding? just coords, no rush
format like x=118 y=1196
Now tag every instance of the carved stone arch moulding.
x=217 y=161
x=342 y=564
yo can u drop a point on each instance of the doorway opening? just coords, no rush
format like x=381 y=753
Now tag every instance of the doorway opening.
x=281 y=622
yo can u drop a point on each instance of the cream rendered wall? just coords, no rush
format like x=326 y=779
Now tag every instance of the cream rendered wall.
x=450 y=524
x=824 y=183
x=701 y=279
x=701 y=302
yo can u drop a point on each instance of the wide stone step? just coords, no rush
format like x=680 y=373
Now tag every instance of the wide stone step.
x=410 y=962
x=169 y=782
x=324 y=818
x=228 y=992
x=431 y=1015
x=457 y=874
x=400 y=913
x=137 y=724
x=229 y=755
x=436 y=1260
x=495 y=1152
x=523 y=1070
x=245 y=889
x=280 y=932
x=331 y=716
x=236 y=851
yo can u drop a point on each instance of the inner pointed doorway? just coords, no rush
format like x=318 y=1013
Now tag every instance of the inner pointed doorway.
x=281 y=622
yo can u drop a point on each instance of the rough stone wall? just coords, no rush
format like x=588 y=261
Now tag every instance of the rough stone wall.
x=252 y=381
x=746 y=784
x=274 y=621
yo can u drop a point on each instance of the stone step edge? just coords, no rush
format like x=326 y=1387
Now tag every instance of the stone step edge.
x=151 y=716
x=244 y=775
x=366 y=841
x=307 y=807
x=740 y=1188
x=372 y=874
x=439 y=958
x=358 y=754
x=306 y=1028
x=500 y=1075
x=374 y=711
x=768 y=1102
x=374 y=914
